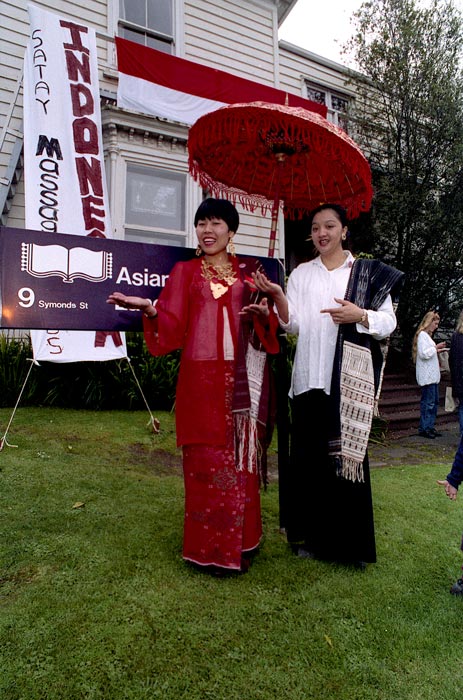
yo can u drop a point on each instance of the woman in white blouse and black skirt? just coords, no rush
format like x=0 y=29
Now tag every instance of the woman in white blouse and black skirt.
x=339 y=308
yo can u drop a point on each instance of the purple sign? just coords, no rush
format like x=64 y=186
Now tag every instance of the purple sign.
x=62 y=281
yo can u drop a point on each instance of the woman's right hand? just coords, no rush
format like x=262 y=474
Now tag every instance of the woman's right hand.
x=135 y=303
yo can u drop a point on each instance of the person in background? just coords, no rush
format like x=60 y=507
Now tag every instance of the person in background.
x=451 y=484
x=340 y=308
x=211 y=309
x=425 y=355
x=456 y=366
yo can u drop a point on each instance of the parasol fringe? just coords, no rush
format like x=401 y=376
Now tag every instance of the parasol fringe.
x=253 y=202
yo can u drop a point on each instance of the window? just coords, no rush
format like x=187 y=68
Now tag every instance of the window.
x=337 y=104
x=155 y=206
x=148 y=22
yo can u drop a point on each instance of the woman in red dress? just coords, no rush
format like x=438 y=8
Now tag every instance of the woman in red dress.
x=212 y=311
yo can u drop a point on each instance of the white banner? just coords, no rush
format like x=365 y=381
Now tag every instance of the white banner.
x=65 y=185
x=58 y=346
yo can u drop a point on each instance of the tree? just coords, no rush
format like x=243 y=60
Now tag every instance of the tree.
x=409 y=122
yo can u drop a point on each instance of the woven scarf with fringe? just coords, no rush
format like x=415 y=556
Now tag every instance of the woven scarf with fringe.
x=251 y=386
x=357 y=370
x=356 y=408
x=248 y=450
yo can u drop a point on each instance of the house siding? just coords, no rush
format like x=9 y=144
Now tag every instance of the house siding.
x=297 y=65
x=13 y=37
x=232 y=36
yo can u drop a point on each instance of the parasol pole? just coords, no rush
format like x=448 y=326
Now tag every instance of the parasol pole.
x=280 y=158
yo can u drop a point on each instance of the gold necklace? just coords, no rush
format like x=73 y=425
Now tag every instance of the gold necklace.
x=216 y=274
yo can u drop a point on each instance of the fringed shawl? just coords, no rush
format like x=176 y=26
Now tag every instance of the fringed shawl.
x=251 y=396
x=357 y=369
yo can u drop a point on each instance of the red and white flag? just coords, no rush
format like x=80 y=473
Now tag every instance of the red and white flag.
x=65 y=185
x=154 y=82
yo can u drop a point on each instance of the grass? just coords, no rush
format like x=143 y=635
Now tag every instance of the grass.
x=96 y=602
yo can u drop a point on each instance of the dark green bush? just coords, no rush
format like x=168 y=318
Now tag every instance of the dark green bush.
x=90 y=385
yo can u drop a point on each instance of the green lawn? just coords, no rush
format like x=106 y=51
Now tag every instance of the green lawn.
x=96 y=602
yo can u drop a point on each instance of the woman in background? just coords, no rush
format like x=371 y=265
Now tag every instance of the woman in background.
x=425 y=354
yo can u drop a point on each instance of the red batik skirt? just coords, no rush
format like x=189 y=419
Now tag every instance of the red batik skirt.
x=222 y=504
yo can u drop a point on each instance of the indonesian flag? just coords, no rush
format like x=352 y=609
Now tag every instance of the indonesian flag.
x=154 y=82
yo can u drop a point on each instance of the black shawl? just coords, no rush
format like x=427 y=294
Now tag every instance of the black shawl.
x=369 y=284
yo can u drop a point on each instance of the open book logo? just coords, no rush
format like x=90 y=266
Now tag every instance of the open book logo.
x=68 y=263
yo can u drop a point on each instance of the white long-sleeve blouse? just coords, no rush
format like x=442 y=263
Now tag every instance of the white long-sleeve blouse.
x=312 y=287
x=427 y=361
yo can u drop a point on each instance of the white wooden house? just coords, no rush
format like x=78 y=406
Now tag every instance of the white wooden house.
x=237 y=36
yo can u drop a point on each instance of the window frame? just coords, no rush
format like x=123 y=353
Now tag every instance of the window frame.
x=136 y=230
x=335 y=116
x=163 y=42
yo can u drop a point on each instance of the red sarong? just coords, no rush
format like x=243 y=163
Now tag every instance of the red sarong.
x=222 y=504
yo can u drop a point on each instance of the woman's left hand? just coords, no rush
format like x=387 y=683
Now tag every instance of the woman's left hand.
x=261 y=309
x=347 y=312
x=450 y=490
x=263 y=284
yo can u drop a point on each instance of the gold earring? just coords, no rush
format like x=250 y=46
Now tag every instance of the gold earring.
x=231 y=248
x=198 y=250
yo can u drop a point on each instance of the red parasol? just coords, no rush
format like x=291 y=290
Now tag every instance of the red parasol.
x=268 y=155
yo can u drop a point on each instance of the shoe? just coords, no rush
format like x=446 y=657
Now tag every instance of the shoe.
x=435 y=433
x=426 y=434
x=245 y=564
x=457 y=588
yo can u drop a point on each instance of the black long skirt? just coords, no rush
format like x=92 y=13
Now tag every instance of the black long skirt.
x=328 y=515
